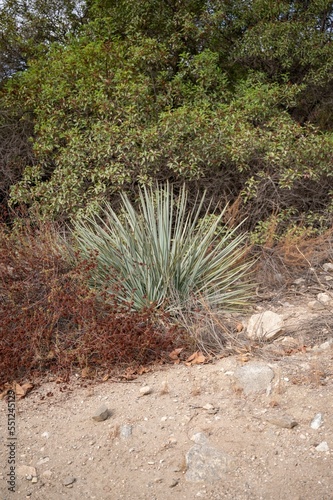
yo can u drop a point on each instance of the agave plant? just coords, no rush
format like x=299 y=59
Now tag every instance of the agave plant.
x=160 y=251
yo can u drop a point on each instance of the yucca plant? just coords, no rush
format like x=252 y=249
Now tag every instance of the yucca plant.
x=160 y=251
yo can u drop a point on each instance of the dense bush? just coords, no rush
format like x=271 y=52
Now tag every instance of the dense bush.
x=231 y=97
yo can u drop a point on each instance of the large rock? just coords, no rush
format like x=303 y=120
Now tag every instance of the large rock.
x=265 y=326
x=204 y=462
x=253 y=377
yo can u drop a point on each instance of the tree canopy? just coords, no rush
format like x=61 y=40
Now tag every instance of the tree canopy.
x=232 y=96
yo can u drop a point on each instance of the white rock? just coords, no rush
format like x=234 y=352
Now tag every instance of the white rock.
x=253 y=377
x=265 y=326
x=299 y=281
x=323 y=446
x=317 y=421
x=200 y=438
x=326 y=345
x=144 y=391
x=208 y=406
x=324 y=298
x=126 y=431
x=328 y=267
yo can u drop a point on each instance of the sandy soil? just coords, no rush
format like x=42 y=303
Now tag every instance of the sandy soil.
x=139 y=451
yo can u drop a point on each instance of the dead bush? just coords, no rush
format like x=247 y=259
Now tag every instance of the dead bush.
x=293 y=256
x=52 y=321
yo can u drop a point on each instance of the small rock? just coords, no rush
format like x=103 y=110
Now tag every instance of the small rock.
x=68 y=481
x=328 y=267
x=284 y=421
x=299 y=281
x=200 y=438
x=26 y=470
x=101 y=414
x=208 y=406
x=324 y=298
x=327 y=344
x=253 y=377
x=47 y=473
x=265 y=326
x=126 y=431
x=34 y=480
x=144 y=391
x=317 y=421
x=323 y=446
x=43 y=460
x=206 y=463
x=288 y=341
x=173 y=483
x=172 y=440
x=46 y=435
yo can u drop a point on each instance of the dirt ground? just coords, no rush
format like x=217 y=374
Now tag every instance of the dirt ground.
x=139 y=451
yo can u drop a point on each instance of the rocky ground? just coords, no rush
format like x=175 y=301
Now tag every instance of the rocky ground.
x=256 y=425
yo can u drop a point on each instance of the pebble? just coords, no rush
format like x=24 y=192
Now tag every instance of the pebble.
x=199 y=438
x=126 y=431
x=299 y=281
x=208 y=406
x=101 y=414
x=317 y=421
x=284 y=421
x=323 y=446
x=328 y=267
x=68 y=481
x=144 y=391
x=43 y=460
x=173 y=483
x=327 y=344
x=324 y=298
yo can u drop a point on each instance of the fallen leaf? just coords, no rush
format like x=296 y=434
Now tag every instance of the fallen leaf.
x=22 y=390
x=86 y=372
x=175 y=354
x=244 y=358
x=142 y=369
x=195 y=359
x=239 y=327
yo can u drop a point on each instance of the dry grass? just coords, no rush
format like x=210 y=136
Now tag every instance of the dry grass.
x=294 y=256
x=211 y=331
